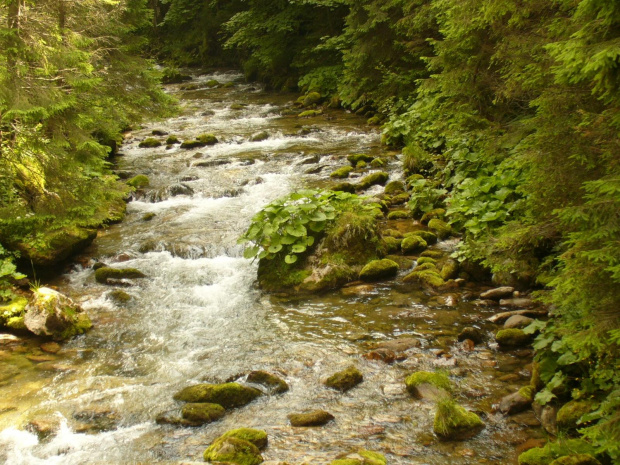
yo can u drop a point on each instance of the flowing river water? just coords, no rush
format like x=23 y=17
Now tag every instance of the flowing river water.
x=198 y=317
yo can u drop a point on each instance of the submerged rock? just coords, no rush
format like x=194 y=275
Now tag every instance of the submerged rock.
x=345 y=380
x=273 y=383
x=314 y=418
x=233 y=450
x=472 y=333
x=228 y=395
x=50 y=313
x=259 y=137
x=453 y=422
x=379 y=269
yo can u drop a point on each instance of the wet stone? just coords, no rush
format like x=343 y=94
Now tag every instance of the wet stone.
x=345 y=380
x=314 y=418
x=498 y=293
x=50 y=347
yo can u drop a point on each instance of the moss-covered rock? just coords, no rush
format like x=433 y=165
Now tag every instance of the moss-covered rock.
x=355 y=158
x=399 y=199
x=517 y=401
x=576 y=459
x=453 y=422
x=345 y=379
x=428 y=385
x=311 y=98
x=344 y=187
x=149 y=142
x=341 y=173
x=399 y=215
x=228 y=395
x=570 y=413
x=148 y=216
x=404 y=263
x=439 y=227
x=429 y=237
x=212 y=83
x=554 y=450
x=202 y=413
x=394 y=187
x=373 y=179
x=314 y=418
x=361 y=165
x=257 y=437
x=436 y=254
x=374 y=121
x=450 y=270
x=172 y=140
x=273 y=383
x=12 y=313
x=233 y=450
x=237 y=106
x=362 y=457
x=426 y=266
x=103 y=275
x=52 y=314
x=392 y=244
x=310 y=113
x=423 y=260
x=413 y=244
x=513 y=337
x=378 y=163
x=119 y=296
x=438 y=213
x=428 y=278
x=379 y=269
x=139 y=182
x=201 y=141
x=259 y=136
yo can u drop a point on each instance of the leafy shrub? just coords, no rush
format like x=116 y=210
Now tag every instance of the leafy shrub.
x=290 y=225
x=8 y=273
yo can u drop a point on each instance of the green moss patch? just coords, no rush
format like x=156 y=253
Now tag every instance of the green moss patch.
x=453 y=422
x=345 y=380
x=379 y=269
x=233 y=450
x=341 y=173
x=228 y=395
x=255 y=436
x=103 y=275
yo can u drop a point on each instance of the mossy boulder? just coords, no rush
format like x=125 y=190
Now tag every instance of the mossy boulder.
x=361 y=165
x=139 y=182
x=438 y=213
x=212 y=83
x=259 y=136
x=425 y=266
x=400 y=199
x=345 y=380
x=104 y=274
x=513 y=337
x=399 y=215
x=172 y=140
x=570 y=413
x=314 y=418
x=576 y=459
x=378 y=163
x=428 y=385
x=436 y=254
x=555 y=450
x=12 y=314
x=404 y=263
x=273 y=383
x=394 y=187
x=119 y=296
x=355 y=158
x=427 y=278
x=392 y=244
x=374 y=121
x=453 y=422
x=228 y=395
x=311 y=98
x=373 y=179
x=148 y=216
x=237 y=106
x=257 y=437
x=450 y=270
x=149 y=142
x=439 y=227
x=423 y=260
x=344 y=187
x=517 y=401
x=201 y=141
x=202 y=413
x=341 y=173
x=413 y=244
x=429 y=237
x=52 y=314
x=233 y=450
x=379 y=269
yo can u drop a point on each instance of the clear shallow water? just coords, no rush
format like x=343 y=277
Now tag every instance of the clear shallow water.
x=198 y=316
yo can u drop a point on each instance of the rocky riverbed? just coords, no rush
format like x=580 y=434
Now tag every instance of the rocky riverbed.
x=194 y=315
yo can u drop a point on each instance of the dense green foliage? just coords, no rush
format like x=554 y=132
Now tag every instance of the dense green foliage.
x=70 y=82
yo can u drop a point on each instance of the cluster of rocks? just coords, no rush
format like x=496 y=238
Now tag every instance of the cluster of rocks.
x=201 y=140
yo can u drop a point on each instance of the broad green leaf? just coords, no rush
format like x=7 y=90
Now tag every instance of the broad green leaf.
x=290 y=259
x=250 y=252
